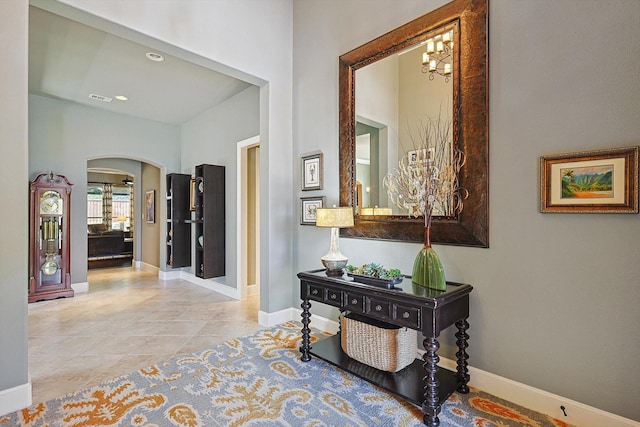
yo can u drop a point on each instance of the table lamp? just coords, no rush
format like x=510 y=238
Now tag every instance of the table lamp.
x=336 y=218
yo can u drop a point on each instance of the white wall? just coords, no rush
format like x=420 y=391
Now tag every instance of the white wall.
x=212 y=138
x=555 y=300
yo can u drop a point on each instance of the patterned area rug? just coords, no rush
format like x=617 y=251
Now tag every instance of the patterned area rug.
x=257 y=380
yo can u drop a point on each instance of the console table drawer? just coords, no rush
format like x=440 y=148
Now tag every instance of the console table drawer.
x=333 y=297
x=355 y=302
x=407 y=316
x=315 y=292
x=378 y=308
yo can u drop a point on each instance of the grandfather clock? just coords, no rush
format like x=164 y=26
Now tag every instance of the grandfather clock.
x=49 y=219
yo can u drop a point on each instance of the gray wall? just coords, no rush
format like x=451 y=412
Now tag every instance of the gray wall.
x=555 y=300
x=14 y=174
x=212 y=138
x=63 y=136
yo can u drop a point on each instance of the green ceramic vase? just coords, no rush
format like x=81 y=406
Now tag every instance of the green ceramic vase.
x=427 y=268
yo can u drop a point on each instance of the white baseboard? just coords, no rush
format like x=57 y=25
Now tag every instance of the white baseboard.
x=293 y=314
x=141 y=265
x=169 y=275
x=272 y=319
x=210 y=284
x=318 y=322
x=15 y=398
x=80 y=287
x=578 y=414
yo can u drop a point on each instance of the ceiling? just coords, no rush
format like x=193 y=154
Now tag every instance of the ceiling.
x=69 y=60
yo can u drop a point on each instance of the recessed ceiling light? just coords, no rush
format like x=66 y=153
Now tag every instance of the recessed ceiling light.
x=155 y=56
x=121 y=98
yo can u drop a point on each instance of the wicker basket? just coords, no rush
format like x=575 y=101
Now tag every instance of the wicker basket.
x=381 y=345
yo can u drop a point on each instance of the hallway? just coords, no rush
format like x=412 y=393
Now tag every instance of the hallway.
x=128 y=320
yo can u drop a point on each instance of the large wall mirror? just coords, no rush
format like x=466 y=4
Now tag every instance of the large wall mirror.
x=428 y=77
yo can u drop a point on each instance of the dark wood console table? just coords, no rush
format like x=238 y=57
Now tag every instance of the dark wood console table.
x=407 y=305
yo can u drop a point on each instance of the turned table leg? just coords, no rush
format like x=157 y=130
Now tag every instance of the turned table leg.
x=462 y=356
x=305 y=346
x=431 y=404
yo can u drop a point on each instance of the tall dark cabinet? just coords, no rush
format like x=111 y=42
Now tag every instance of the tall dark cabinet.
x=210 y=221
x=178 y=220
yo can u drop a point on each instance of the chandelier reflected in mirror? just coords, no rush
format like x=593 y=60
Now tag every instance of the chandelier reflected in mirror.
x=438 y=56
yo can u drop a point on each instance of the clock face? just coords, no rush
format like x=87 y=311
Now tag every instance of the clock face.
x=51 y=203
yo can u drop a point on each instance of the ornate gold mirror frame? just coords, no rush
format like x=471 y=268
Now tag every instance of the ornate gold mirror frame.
x=470 y=127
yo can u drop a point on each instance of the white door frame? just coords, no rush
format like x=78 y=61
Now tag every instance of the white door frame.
x=241 y=209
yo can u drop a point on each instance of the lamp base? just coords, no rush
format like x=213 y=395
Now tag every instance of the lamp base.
x=334 y=267
x=334 y=261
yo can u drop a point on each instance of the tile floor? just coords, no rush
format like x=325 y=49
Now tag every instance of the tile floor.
x=128 y=320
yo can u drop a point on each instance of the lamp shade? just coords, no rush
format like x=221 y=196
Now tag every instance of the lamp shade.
x=334 y=217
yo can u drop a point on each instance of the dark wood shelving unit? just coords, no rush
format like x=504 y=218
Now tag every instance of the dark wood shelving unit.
x=178 y=221
x=210 y=221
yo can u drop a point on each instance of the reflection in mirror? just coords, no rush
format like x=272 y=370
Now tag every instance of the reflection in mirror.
x=428 y=73
x=396 y=98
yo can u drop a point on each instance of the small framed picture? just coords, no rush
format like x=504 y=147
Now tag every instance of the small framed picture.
x=192 y=194
x=412 y=156
x=150 y=205
x=602 y=181
x=312 y=172
x=309 y=205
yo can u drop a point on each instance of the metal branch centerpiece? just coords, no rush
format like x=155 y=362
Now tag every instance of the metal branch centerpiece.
x=426 y=183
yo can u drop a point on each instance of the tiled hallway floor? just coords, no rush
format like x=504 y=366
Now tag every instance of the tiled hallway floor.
x=128 y=320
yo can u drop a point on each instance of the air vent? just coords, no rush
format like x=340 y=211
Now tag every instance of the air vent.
x=100 y=98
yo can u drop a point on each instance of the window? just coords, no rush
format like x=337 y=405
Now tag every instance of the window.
x=120 y=206
x=94 y=204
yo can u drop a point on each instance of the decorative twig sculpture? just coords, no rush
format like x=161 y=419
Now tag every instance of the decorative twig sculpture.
x=426 y=183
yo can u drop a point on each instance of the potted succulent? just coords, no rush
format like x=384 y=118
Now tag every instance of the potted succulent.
x=375 y=274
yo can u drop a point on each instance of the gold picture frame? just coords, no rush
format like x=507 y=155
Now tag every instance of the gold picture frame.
x=150 y=206
x=599 y=181
x=192 y=194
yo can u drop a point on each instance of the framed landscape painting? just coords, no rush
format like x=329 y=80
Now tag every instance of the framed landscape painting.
x=601 y=181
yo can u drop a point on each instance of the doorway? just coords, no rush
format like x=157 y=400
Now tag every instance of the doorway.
x=110 y=218
x=248 y=228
